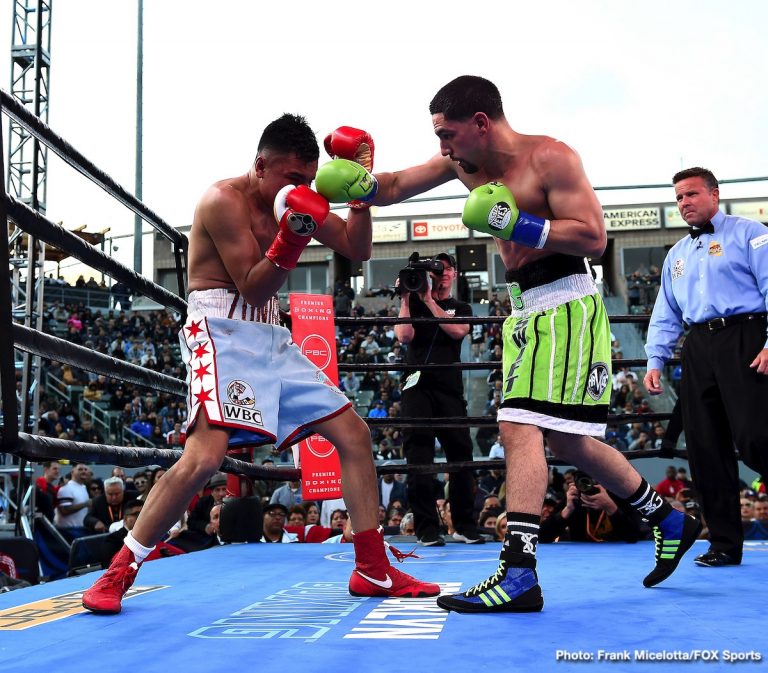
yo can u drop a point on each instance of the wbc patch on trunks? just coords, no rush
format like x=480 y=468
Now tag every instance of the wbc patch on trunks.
x=240 y=406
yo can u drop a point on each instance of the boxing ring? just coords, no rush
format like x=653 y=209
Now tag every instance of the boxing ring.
x=286 y=606
x=277 y=605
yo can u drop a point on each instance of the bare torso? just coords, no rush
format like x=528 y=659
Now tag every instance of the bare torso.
x=234 y=226
x=521 y=176
x=206 y=266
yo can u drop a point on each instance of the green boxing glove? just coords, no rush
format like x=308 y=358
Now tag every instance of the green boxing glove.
x=342 y=180
x=492 y=209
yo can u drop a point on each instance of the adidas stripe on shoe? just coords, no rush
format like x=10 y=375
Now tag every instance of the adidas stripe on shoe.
x=674 y=536
x=507 y=590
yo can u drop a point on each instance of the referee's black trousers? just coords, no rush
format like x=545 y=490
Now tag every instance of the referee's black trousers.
x=419 y=448
x=725 y=405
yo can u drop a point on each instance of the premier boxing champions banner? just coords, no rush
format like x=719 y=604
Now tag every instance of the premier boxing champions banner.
x=314 y=332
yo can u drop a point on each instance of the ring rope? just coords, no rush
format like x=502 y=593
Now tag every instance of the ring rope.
x=51 y=448
x=40 y=227
x=48 y=346
x=401 y=467
x=485 y=421
x=55 y=348
x=488 y=364
x=462 y=320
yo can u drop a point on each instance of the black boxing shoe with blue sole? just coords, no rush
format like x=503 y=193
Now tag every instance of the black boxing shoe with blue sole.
x=674 y=536
x=509 y=589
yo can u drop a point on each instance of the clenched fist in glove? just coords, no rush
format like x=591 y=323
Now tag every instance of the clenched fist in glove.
x=299 y=211
x=492 y=209
x=351 y=143
x=342 y=180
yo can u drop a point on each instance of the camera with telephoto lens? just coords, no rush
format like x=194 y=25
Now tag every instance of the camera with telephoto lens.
x=585 y=484
x=413 y=278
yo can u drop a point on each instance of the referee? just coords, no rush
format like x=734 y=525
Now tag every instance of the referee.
x=715 y=281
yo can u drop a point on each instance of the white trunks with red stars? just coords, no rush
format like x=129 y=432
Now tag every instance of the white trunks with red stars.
x=246 y=373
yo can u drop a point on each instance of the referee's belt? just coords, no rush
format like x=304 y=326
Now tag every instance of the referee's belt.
x=719 y=323
x=546 y=270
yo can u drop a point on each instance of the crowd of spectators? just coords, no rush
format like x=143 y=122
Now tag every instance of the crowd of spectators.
x=570 y=511
x=642 y=287
x=149 y=340
x=629 y=397
x=575 y=508
x=98 y=292
x=376 y=394
x=754 y=512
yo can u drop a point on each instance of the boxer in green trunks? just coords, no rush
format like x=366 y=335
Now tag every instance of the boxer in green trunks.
x=532 y=195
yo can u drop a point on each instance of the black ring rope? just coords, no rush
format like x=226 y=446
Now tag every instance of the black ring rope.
x=42 y=228
x=50 y=448
x=55 y=348
x=488 y=364
x=471 y=320
x=43 y=448
x=437 y=467
x=485 y=421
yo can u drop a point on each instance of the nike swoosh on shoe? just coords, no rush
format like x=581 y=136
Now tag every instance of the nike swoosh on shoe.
x=384 y=584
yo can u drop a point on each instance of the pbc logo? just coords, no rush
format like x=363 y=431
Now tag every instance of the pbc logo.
x=420 y=229
x=597 y=381
x=240 y=393
x=317 y=349
x=319 y=446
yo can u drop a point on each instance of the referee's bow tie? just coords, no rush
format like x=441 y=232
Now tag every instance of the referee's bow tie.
x=706 y=228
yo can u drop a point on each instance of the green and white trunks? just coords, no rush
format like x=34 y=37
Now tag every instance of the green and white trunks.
x=557 y=349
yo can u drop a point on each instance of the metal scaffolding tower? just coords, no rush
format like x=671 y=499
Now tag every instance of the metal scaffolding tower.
x=27 y=182
x=30 y=79
x=27 y=175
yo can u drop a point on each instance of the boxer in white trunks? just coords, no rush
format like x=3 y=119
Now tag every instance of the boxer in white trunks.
x=246 y=378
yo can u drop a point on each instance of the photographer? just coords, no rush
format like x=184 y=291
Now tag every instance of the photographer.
x=435 y=394
x=590 y=514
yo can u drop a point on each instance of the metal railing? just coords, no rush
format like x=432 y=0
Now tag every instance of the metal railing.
x=135 y=439
x=98 y=416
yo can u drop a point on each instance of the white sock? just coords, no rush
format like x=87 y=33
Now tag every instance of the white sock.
x=140 y=552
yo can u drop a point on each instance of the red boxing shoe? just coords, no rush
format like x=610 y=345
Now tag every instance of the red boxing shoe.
x=374 y=575
x=105 y=596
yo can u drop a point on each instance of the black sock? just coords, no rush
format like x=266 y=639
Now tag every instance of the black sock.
x=650 y=505
x=519 y=547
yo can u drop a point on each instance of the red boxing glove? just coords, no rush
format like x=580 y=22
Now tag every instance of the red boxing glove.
x=299 y=211
x=351 y=143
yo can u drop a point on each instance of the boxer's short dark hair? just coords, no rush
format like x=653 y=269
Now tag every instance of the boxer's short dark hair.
x=290 y=134
x=466 y=95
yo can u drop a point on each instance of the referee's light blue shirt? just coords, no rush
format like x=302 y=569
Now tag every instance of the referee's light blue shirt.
x=712 y=276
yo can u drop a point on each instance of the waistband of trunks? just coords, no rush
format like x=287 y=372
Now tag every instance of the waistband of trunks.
x=228 y=303
x=556 y=293
x=546 y=270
